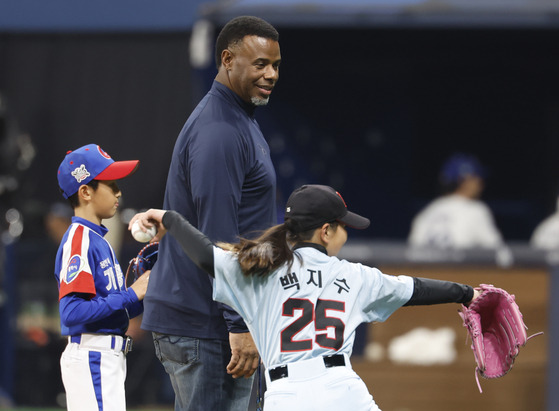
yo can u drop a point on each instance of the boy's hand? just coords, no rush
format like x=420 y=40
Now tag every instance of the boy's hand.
x=140 y=287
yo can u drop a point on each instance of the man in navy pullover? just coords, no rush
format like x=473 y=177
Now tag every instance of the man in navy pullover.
x=221 y=178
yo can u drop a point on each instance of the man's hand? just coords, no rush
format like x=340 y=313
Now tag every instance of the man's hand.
x=244 y=355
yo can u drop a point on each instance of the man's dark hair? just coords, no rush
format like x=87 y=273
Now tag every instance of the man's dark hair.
x=235 y=30
x=74 y=200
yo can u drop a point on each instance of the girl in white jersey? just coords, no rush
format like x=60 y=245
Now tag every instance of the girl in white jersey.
x=301 y=303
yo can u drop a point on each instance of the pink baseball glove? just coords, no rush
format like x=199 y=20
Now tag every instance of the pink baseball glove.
x=496 y=327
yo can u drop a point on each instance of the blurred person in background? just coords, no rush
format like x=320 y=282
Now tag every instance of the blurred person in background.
x=546 y=234
x=37 y=341
x=57 y=221
x=38 y=320
x=16 y=156
x=458 y=219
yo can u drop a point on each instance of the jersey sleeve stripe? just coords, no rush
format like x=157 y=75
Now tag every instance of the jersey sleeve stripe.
x=75 y=254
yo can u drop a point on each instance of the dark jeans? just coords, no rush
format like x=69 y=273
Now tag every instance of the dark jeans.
x=197 y=371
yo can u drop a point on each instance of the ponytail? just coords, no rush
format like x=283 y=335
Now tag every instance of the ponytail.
x=271 y=250
x=264 y=254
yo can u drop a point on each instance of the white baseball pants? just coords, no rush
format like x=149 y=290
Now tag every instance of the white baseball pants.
x=310 y=385
x=93 y=374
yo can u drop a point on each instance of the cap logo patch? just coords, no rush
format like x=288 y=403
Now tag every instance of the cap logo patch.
x=80 y=173
x=74 y=268
x=103 y=153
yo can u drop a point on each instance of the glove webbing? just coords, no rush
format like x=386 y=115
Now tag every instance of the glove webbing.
x=477 y=371
x=134 y=264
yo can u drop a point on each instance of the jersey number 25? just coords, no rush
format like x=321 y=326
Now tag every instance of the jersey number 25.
x=321 y=323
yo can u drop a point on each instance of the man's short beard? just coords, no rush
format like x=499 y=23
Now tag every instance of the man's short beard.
x=259 y=101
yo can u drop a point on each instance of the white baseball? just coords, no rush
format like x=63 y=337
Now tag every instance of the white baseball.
x=140 y=236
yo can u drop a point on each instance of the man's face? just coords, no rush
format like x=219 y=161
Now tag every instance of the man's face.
x=253 y=69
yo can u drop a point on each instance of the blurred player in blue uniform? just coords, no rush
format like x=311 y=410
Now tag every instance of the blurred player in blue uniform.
x=458 y=219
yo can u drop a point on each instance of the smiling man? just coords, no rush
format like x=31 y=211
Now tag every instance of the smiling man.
x=250 y=68
x=221 y=178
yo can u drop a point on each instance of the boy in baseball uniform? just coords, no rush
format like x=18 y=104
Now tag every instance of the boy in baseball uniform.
x=95 y=306
x=300 y=302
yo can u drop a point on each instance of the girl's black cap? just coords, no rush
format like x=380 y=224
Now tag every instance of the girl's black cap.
x=311 y=206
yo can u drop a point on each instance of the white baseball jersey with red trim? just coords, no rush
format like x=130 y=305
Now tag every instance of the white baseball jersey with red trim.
x=311 y=309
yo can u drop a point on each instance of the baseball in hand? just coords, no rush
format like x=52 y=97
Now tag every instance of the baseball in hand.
x=140 y=236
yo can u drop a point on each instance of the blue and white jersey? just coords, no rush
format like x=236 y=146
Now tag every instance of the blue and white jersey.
x=87 y=270
x=311 y=310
